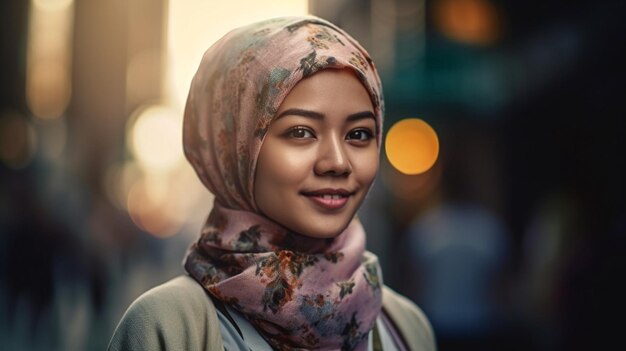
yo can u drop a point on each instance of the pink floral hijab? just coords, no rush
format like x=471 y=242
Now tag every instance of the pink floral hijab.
x=300 y=293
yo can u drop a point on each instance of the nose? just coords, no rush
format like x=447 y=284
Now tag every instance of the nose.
x=332 y=158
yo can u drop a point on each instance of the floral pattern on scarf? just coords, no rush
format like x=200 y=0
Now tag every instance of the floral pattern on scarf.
x=302 y=293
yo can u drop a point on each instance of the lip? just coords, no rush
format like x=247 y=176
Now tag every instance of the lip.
x=329 y=199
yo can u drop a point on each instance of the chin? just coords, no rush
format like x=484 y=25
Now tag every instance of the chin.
x=322 y=231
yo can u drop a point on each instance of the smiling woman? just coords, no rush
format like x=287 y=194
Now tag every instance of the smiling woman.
x=319 y=156
x=283 y=125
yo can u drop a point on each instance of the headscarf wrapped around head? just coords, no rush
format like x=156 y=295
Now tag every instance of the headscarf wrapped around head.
x=299 y=292
x=239 y=86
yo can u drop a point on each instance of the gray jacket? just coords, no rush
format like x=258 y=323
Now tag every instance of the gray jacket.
x=178 y=315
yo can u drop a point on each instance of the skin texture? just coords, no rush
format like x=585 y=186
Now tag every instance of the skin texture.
x=332 y=145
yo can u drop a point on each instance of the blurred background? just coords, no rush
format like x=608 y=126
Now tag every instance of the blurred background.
x=515 y=239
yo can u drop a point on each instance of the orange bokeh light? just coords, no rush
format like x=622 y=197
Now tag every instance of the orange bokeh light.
x=468 y=21
x=148 y=212
x=412 y=146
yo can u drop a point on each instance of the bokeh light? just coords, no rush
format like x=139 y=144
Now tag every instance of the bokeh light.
x=468 y=21
x=18 y=140
x=155 y=138
x=148 y=207
x=160 y=192
x=48 y=82
x=412 y=146
x=161 y=204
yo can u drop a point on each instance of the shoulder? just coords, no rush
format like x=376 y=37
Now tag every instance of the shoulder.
x=410 y=321
x=181 y=296
x=175 y=315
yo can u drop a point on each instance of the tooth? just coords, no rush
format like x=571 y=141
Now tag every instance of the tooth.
x=327 y=196
x=336 y=197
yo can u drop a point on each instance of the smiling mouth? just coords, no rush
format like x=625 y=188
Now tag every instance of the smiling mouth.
x=329 y=199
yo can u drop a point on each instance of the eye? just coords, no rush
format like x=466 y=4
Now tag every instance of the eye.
x=360 y=135
x=300 y=133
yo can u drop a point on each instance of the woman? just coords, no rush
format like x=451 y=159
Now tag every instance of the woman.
x=283 y=124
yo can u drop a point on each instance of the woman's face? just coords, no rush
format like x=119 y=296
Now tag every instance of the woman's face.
x=319 y=156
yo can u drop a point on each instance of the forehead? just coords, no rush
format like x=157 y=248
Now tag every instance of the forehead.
x=336 y=89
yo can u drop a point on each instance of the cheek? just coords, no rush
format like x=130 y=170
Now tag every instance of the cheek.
x=287 y=167
x=366 y=166
x=295 y=164
x=280 y=169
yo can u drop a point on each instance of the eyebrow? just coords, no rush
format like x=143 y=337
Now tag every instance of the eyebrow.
x=316 y=115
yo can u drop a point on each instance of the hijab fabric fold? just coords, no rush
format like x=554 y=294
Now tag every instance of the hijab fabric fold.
x=300 y=293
